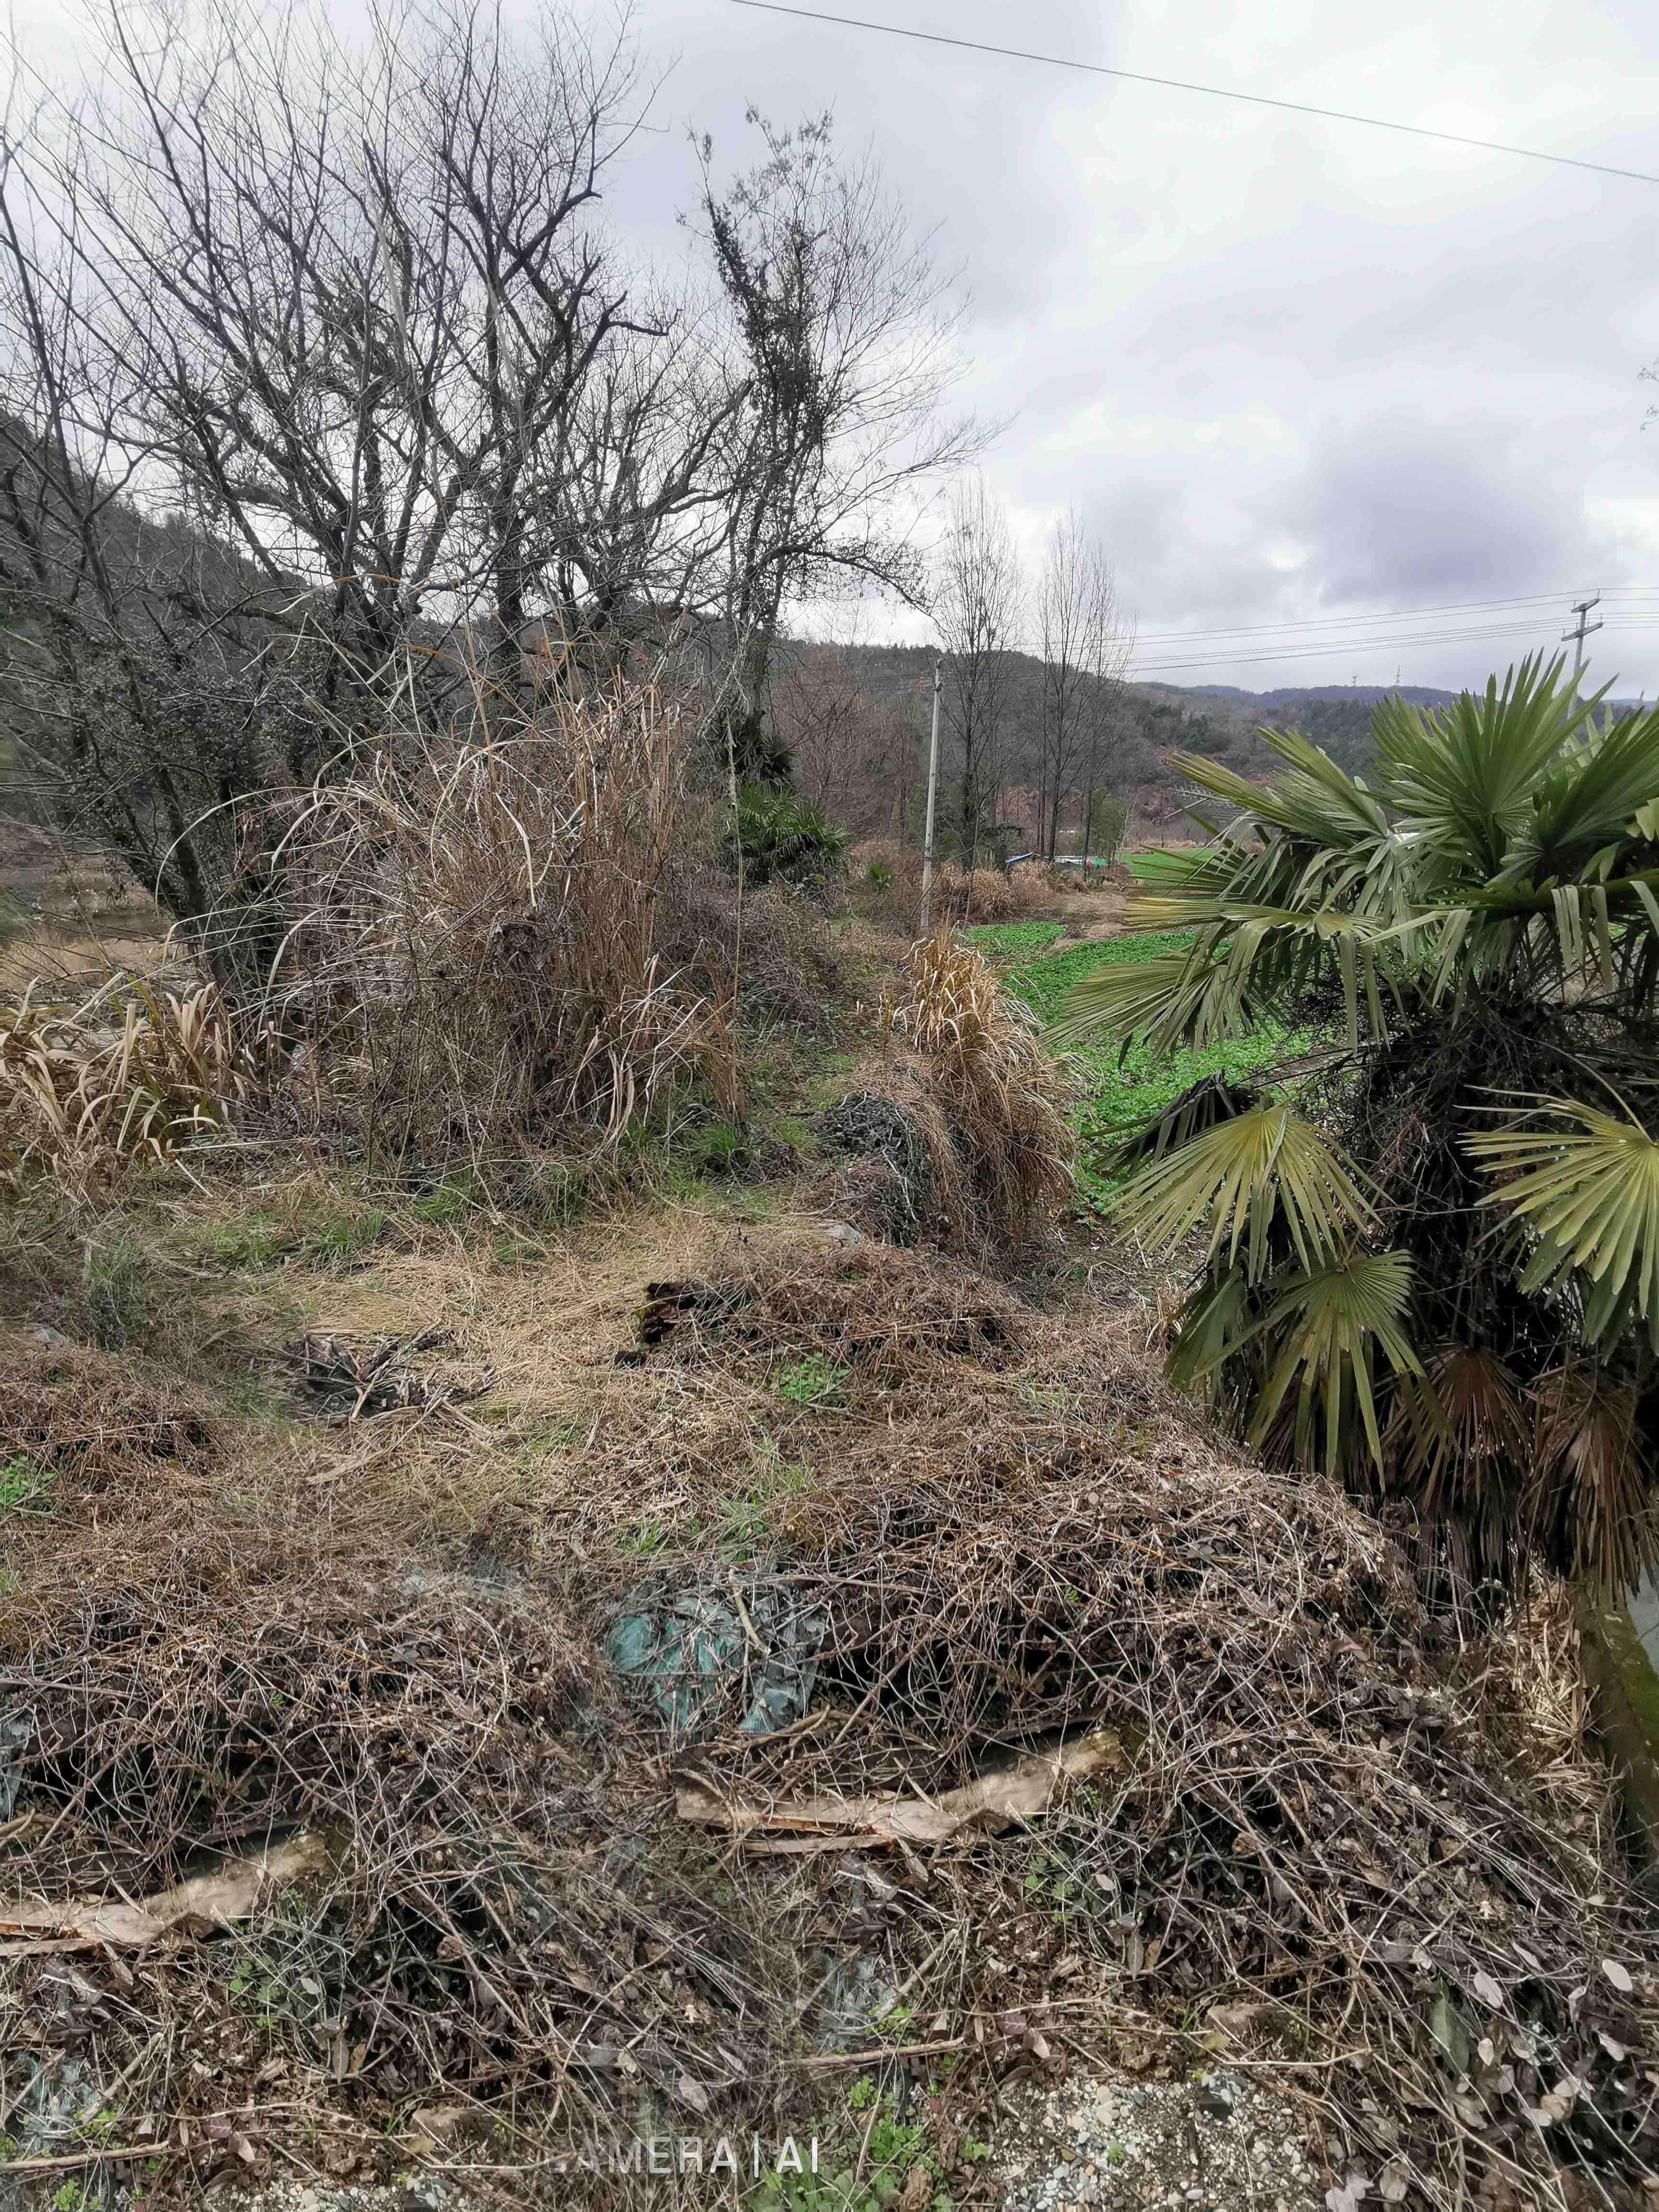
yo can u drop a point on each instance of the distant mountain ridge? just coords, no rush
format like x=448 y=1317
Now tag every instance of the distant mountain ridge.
x=1293 y=696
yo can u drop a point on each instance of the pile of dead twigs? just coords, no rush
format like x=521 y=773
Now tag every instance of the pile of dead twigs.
x=1099 y=1740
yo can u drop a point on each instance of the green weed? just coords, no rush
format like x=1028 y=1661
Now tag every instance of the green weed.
x=1004 y=941
x=1119 y=1090
x=452 y=1202
x=120 y=1287
x=23 y=1486
x=893 y=2150
x=813 y=1381
x=714 y=1149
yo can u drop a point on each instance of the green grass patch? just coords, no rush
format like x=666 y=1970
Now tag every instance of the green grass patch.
x=1006 y=941
x=1044 y=984
x=24 y=1484
x=813 y=1381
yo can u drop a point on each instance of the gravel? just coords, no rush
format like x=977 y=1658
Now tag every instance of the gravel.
x=1221 y=2143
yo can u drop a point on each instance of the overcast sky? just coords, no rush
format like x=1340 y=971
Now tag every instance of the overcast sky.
x=1291 y=370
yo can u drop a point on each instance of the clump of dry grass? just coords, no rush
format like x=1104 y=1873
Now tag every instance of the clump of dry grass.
x=887 y=878
x=968 y=1074
x=83 y=1415
x=133 y=1072
x=474 y=954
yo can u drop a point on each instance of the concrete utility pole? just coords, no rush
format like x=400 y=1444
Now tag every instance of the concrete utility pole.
x=933 y=795
x=1576 y=636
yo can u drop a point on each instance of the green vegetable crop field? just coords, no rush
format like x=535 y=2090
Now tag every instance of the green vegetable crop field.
x=1118 y=1089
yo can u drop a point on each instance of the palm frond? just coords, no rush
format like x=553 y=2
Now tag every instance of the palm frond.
x=1213 y=1323
x=1593 y=1492
x=1181 y=996
x=1241 y=1176
x=1463 y=1428
x=1587 y=803
x=1466 y=774
x=1212 y=1099
x=1591 y=1195
x=1316 y=801
x=1321 y=1331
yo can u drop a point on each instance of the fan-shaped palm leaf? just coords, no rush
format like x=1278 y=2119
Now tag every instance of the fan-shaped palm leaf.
x=1241 y=1175
x=1466 y=775
x=1591 y=1194
x=1464 y=1425
x=1321 y=1331
x=1585 y=805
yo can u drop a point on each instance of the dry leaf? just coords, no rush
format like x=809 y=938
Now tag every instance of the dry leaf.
x=992 y=1802
x=1618 y=1976
x=207 y=1901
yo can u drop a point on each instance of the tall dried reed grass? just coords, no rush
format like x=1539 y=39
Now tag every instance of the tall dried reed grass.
x=990 y=1079
x=475 y=958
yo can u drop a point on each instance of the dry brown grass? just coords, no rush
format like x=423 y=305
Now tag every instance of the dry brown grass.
x=472 y=948
x=133 y=1071
x=989 y=1095
x=887 y=886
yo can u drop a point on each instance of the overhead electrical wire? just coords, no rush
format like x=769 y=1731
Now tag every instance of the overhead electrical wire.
x=1541 y=600
x=1208 y=91
x=1209 y=651
x=1352 y=648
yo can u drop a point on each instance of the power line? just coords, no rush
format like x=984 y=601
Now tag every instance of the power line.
x=1210 y=91
x=1646 y=620
x=1346 y=646
x=1218 y=648
x=1390 y=614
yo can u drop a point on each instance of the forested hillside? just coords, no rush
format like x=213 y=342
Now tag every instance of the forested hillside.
x=855 y=720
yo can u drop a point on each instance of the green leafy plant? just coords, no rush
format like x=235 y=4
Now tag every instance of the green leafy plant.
x=23 y=1486
x=812 y=1380
x=781 y=836
x=1424 y=1241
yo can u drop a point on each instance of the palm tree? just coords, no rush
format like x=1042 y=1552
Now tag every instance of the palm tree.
x=1426 y=1255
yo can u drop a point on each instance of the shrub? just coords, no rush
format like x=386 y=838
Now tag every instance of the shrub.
x=1430 y=1257
x=781 y=836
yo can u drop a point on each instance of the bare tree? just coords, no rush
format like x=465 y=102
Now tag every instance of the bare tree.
x=1084 y=649
x=978 y=609
x=847 y=332
x=320 y=364
x=1112 y=638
